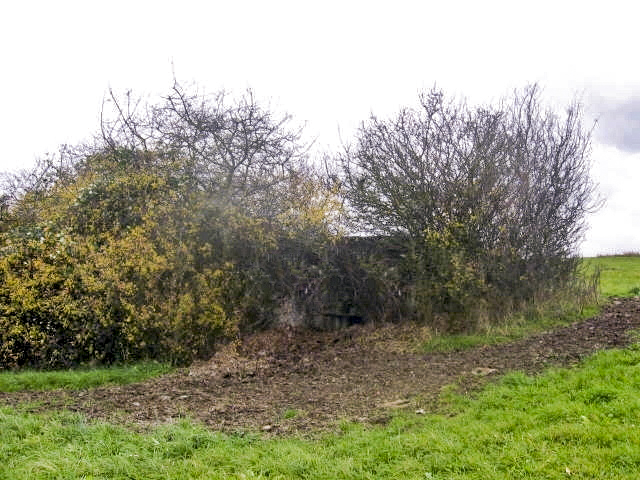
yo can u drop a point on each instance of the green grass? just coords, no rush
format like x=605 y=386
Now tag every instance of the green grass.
x=78 y=379
x=585 y=419
x=619 y=275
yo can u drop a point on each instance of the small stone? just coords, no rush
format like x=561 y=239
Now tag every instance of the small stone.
x=420 y=411
x=267 y=428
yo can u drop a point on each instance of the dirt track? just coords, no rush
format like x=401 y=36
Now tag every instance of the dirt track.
x=284 y=380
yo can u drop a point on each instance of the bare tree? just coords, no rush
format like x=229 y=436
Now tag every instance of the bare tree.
x=509 y=182
x=237 y=150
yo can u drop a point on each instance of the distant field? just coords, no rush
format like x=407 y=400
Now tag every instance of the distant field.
x=619 y=275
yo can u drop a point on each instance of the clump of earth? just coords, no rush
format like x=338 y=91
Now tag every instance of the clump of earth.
x=287 y=380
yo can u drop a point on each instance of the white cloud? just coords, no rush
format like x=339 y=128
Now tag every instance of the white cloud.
x=618 y=121
x=616 y=227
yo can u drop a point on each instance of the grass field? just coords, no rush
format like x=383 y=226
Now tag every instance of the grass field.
x=582 y=422
x=619 y=275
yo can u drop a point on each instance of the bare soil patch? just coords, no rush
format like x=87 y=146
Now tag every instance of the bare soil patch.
x=285 y=380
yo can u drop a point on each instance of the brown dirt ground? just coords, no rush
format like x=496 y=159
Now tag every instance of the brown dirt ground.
x=285 y=380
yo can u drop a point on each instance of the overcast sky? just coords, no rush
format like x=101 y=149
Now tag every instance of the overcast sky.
x=329 y=64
